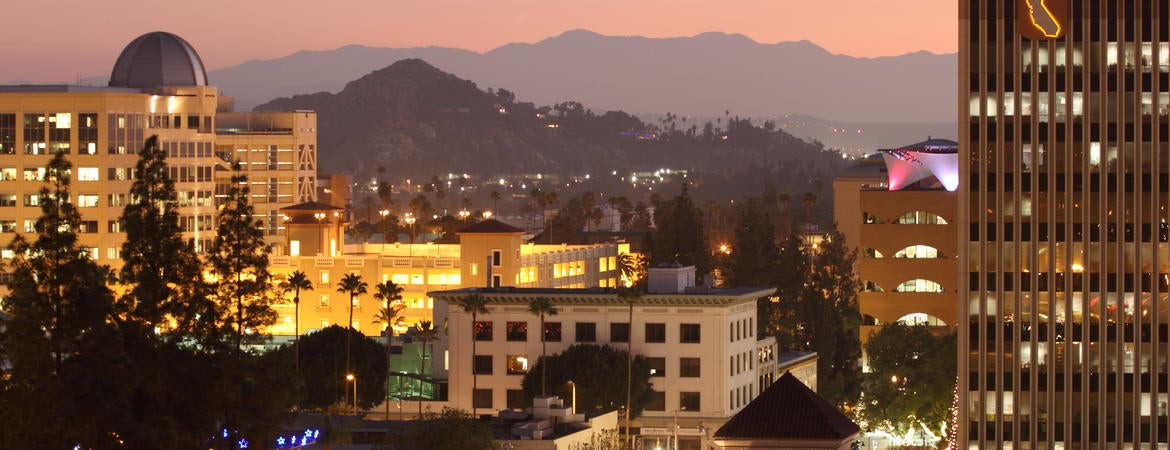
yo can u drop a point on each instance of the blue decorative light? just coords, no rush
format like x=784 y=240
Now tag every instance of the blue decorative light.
x=242 y=444
x=295 y=440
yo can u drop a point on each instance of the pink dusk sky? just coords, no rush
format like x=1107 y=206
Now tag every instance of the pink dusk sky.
x=82 y=39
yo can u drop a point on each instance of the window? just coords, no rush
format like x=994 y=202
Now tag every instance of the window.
x=919 y=285
x=552 y=332
x=657 y=366
x=497 y=281
x=34 y=174
x=586 y=332
x=325 y=278
x=688 y=401
x=517 y=331
x=619 y=332
x=481 y=398
x=87 y=200
x=688 y=333
x=32 y=200
x=517 y=364
x=482 y=365
x=7 y=199
x=497 y=256
x=84 y=226
x=87 y=174
x=116 y=199
x=656 y=332
x=516 y=399
x=657 y=401
x=7 y=226
x=688 y=367
x=8 y=173
x=482 y=330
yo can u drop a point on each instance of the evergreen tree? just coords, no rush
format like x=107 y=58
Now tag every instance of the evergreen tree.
x=831 y=307
x=680 y=236
x=61 y=336
x=780 y=316
x=239 y=260
x=912 y=381
x=753 y=251
x=161 y=270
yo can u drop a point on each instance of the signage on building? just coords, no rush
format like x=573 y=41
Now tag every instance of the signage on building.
x=1041 y=19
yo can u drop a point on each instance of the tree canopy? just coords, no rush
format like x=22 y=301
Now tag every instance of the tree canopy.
x=592 y=368
x=912 y=378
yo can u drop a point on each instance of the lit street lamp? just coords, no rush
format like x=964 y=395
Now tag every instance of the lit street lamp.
x=351 y=377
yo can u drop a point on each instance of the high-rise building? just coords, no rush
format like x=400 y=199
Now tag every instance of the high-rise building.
x=1065 y=174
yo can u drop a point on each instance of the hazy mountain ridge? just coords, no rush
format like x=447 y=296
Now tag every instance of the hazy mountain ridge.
x=413 y=119
x=700 y=75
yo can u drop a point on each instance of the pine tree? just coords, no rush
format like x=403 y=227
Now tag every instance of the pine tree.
x=781 y=315
x=680 y=236
x=161 y=269
x=831 y=306
x=753 y=250
x=239 y=261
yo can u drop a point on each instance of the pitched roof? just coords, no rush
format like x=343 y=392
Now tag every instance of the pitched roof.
x=312 y=206
x=490 y=226
x=789 y=410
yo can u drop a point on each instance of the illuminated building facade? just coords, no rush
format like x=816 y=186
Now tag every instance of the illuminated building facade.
x=898 y=209
x=1065 y=174
x=158 y=86
x=701 y=345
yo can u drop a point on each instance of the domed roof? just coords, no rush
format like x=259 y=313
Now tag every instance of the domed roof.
x=158 y=59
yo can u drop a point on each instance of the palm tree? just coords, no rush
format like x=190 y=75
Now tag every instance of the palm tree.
x=475 y=305
x=808 y=200
x=627 y=267
x=426 y=332
x=542 y=306
x=495 y=200
x=630 y=296
x=297 y=281
x=353 y=286
x=391 y=315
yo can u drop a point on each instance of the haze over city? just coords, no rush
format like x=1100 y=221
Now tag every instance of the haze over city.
x=88 y=35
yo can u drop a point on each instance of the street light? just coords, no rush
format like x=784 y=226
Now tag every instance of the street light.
x=463 y=214
x=487 y=214
x=410 y=221
x=351 y=377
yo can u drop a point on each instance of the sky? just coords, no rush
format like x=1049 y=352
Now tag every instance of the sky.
x=76 y=38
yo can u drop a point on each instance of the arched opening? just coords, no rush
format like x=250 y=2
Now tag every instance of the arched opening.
x=921 y=319
x=919 y=252
x=920 y=218
x=872 y=287
x=871 y=321
x=919 y=285
x=871 y=252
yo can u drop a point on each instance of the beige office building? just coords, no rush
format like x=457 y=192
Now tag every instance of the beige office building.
x=1065 y=166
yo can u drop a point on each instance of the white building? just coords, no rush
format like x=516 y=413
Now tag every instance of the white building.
x=701 y=343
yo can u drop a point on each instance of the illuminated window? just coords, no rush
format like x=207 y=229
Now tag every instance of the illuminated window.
x=324 y=278
x=920 y=218
x=294 y=248
x=918 y=252
x=8 y=174
x=552 y=332
x=400 y=278
x=482 y=330
x=517 y=364
x=517 y=331
x=921 y=319
x=87 y=200
x=34 y=174
x=919 y=285
x=87 y=174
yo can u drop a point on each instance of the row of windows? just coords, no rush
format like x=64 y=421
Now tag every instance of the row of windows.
x=1113 y=131
x=910 y=218
x=687 y=401
x=1076 y=182
x=1113 y=282
x=911 y=252
x=1097 y=382
x=1097 y=232
x=1072 y=332
x=741 y=329
x=916 y=285
x=689 y=333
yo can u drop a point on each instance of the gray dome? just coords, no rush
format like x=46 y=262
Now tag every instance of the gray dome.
x=158 y=59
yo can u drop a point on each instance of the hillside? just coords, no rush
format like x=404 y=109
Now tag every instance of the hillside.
x=414 y=120
x=702 y=75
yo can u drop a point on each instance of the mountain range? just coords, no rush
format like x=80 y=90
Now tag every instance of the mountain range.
x=704 y=75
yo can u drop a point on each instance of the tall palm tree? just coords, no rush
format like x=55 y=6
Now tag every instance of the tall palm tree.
x=495 y=201
x=426 y=332
x=542 y=306
x=627 y=266
x=391 y=315
x=630 y=296
x=297 y=281
x=353 y=286
x=475 y=305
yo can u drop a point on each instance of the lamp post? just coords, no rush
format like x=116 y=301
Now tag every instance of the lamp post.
x=487 y=215
x=410 y=221
x=464 y=214
x=351 y=377
x=385 y=226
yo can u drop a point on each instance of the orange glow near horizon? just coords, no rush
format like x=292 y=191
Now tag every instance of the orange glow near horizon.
x=862 y=28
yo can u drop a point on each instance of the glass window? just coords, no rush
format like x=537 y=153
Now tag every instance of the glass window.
x=483 y=330
x=517 y=364
x=87 y=174
x=482 y=365
x=516 y=399
x=619 y=332
x=586 y=332
x=689 y=401
x=656 y=332
x=552 y=332
x=919 y=285
x=7 y=226
x=689 y=333
x=657 y=401
x=918 y=251
x=7 y=199
x=688 y=367
x=497 y=256
x=517 y=331
x=657 y=366
x=481 y=398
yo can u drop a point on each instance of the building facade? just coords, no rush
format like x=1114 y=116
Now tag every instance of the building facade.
x=901 y=218
x=1065 y=166
x=701 y=344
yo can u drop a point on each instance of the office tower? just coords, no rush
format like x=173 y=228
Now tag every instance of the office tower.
x=1065 y=179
